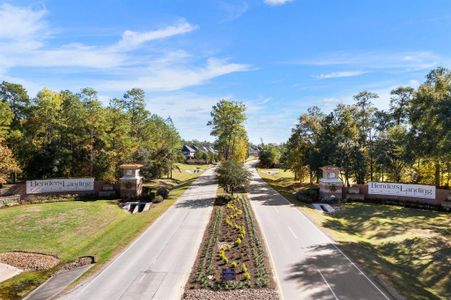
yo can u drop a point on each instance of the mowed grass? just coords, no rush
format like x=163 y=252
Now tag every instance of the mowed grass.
x=72 y=229
x=408 y=249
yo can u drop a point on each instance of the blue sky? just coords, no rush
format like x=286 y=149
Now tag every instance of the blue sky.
x=279 y=57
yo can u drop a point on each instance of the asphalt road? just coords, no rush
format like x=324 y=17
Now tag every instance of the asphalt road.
x=157 y=265
x=308 y=264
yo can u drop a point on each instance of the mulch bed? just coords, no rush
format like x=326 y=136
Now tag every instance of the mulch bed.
x=230 y=220
x=29 y=261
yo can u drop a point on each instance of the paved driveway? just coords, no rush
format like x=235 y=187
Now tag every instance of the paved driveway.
x=307 y=262
x=158 y=263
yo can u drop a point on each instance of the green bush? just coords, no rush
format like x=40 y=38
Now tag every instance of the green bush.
x=247 y=276
x=158 y=199
x=163 y=192
x=308 y=195
x=244 y=268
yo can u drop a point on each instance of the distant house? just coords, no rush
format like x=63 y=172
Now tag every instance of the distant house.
x=188 y=151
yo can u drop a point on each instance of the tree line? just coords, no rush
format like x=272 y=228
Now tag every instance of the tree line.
x=66 y=134
x=409 y=142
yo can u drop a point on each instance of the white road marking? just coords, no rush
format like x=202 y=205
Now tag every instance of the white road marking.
x=292 y=232
x=328 y=285
x=276 y=209
x=331 y=241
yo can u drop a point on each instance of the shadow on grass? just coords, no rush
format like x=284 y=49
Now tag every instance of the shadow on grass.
x=408 y=245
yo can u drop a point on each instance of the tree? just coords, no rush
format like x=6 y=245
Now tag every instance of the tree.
x=400 y=103
x=365 y=120
x=233 y=176
x=18 y=100
x=349 y=153
x=133 y=102
x=269 y=156
x=429 y=116
x=240 y=149
x=6 y=117
x=227 y=125
x=8 y=164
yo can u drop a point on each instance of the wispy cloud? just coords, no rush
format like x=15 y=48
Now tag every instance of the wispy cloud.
x=340 y=74
x=276 y=2
x=233 y=11
x=408 y=61
x=25 y=42
x=174 y=78
x=131 y=39
x=23 y=25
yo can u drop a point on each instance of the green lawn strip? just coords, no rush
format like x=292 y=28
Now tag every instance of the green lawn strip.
x=73 y=229
x=405 y=247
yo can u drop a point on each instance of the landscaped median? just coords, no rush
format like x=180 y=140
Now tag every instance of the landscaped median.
x=73 y=229
x=232 y=262
x=405 y=248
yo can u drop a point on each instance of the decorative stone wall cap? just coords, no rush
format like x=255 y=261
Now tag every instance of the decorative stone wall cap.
x=130 y=166
x=132 y=177
x=332 y=168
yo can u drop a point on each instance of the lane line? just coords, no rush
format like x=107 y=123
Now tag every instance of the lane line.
x=76 y=291
x=292 y=232
x=327 y=237
x=328 y=285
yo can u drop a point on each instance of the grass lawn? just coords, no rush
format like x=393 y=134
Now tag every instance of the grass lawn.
x=76 y=228
x=410 y=249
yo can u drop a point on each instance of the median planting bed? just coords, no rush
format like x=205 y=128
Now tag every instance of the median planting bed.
x=232 y=255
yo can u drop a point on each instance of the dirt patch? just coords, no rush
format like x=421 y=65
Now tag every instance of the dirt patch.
x=29 y=261
x=242 y=294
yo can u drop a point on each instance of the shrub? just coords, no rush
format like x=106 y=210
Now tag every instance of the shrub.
x=237 y=242
x=151 y=195
x=158 y=199
x=247 y=276
x=308 y=195
x=233 y=176
x=163 y=192
x=234 y=264
x=244 y=268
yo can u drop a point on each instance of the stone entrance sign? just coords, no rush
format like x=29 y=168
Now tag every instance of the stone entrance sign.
x=131 y=183
x=401 y=189
x=60 y=185
x=330 y=185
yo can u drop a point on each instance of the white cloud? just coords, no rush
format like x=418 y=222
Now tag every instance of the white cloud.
x=25 y=42
x=131 y=39
x=23 y=25
x=393 y=61
x=340 y=74
x=277 y=2
x=233 y=11
x=175 y=78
